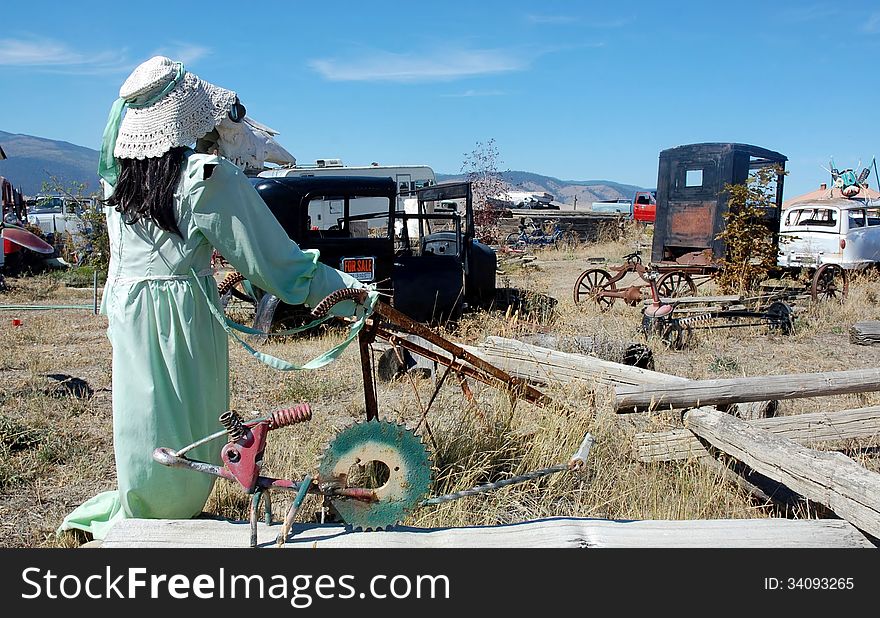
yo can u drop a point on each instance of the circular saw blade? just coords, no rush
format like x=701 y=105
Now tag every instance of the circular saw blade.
x=409 y=472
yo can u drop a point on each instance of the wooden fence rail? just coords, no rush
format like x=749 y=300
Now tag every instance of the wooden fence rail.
x=696 y=393
x=807 y=429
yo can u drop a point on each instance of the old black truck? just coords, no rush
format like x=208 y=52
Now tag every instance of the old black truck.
x=424 y=258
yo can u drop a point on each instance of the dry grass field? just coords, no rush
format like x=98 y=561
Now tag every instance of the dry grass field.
x=56 y=449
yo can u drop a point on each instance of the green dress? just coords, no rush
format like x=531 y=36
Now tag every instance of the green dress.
x=170 y=353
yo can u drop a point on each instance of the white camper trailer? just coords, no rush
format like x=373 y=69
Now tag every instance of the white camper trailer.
x=324 y=213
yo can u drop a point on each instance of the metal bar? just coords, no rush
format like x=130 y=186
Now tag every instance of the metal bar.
x=527 y=392
x=433 y=397
x=466 y=370
x=294 y=509
x=371 y=404
x=95 y=291
x=422 y=331
x=480 y=489
x=255 y=505
x=267 y=507
x=727 y=326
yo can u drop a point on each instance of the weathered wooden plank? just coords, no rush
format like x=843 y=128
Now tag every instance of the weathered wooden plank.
x=865 y=333
x=696 y=393
x=828 y=478
x=546 y=366
x=692 y=300
x=563 y=532
x=807 y=429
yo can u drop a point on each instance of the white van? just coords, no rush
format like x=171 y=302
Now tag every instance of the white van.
x=325 y=213
x=840 y=231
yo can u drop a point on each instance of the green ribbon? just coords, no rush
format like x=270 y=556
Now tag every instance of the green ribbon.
x=361 y=315
x=108 y=166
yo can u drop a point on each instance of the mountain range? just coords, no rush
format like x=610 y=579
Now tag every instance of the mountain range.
x=32 y=161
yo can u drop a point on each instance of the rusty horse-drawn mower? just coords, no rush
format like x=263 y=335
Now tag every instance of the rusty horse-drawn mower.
x=373 y=473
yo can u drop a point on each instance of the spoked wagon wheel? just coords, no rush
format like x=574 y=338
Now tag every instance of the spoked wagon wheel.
x=590 y=286
x=676 y=284
x=829 y=283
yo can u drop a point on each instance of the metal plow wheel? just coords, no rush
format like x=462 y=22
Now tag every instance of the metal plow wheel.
x=394 y=455
x=590 y=286
x=830 y=282
x=676 y=284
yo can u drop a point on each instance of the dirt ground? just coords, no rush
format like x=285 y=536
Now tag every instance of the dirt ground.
x=57 y=445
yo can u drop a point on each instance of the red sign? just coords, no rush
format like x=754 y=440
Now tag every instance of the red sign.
x=361 y=268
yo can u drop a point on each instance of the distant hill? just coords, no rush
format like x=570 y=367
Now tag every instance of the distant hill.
x=31 y=160
x=565 y=191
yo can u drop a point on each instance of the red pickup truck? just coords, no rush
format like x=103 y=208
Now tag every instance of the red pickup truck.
x=645 y=206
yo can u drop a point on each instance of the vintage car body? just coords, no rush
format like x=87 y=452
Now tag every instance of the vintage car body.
x=692 y=200
x=425 y=258
x=838 y=231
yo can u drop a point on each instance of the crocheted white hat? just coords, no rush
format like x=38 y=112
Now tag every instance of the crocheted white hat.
x=167 y=106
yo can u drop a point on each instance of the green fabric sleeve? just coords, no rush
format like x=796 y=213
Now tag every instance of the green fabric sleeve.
x=235 y=220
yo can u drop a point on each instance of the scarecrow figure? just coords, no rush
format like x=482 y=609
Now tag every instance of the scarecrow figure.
x=172 y=163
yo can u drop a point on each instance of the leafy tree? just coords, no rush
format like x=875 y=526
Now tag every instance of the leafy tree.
x=751 y=244
x=481 y=167
x=92 y=246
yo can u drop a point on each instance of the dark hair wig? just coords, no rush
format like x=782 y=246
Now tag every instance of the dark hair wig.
x=145 y=189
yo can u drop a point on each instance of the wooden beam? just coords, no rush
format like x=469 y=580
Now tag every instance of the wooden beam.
x=697 y=393
x=565 y=532
x=806 y=429
x=828 y=478
x=865 y=333
x=544 y=366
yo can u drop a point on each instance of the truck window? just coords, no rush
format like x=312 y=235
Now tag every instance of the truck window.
x=873 y=216
x=693 y=178
x=856 y=218
x=812 y=216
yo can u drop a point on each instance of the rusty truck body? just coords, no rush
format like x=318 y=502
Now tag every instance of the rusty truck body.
x=692 y=201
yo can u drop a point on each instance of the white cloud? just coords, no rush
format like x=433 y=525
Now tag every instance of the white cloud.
x=443 y=65
x=550 y=19
x=872 y=24
x=476 y=93
x=50 y=54
x=811 y=12
x=611 y=24
x=187 y=53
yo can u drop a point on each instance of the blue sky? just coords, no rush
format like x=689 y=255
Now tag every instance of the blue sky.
x=575 y=90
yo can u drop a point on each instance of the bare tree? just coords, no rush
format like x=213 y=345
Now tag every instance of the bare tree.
x=481 y=167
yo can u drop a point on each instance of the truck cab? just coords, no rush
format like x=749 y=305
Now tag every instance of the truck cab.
x=645 y=206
